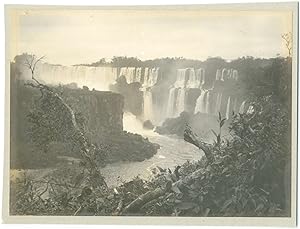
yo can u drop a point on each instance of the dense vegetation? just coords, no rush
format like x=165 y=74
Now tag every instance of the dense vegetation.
x=245 y=174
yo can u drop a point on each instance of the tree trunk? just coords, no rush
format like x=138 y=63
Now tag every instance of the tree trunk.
x=190 y=137
x=135 y=205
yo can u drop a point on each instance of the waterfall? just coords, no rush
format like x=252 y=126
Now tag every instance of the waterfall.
x=150 y=77
x=171 y=102
x=201 y=103
x=218 y=74
x=93 y=77
x=129 y=73
x=200 y=75
x=146 y=77
x=228 y=108
x=195 y=79
x=242 y=107
x=138 y=73
x=101 y=78
x=207 y=110
x=226 y=74
x=181 y=80
x=186 y=78
x=191 y=79
x=230 y=73
x=133 y=74
x=235 y=105
x=235 y=75
x=180 y=102
x=123 y=72
x=176 y=102
x=218 y=103
x=148 y=106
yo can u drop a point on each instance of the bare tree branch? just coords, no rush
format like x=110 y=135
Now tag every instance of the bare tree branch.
x=85 y=147
x=287 y=37
x=190 y=137
x=37 y=62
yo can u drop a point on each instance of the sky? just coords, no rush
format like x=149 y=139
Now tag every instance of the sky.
x=84 y=36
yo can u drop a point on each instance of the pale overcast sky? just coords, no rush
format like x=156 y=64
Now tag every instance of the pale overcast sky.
x=84 y=36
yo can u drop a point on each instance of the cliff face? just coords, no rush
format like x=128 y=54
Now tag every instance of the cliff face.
x=133 y=96
x=160 y=92
x=102 y=112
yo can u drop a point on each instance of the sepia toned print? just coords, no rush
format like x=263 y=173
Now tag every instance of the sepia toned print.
x=180 y=112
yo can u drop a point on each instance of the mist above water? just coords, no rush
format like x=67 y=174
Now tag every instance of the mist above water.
x=133 y=125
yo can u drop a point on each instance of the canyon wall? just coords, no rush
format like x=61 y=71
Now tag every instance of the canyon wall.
x=153 y=95
x=102 y=112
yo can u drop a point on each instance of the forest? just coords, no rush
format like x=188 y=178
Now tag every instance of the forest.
x=245 y=174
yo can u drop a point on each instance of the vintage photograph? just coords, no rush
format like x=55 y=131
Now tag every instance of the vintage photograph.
x=165 y=111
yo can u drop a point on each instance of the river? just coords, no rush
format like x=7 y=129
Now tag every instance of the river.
x=173 y=151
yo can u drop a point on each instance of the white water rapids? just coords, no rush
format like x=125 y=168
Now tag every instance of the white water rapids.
x=173 y=151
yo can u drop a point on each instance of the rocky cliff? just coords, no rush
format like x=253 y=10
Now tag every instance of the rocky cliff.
x=102 y=112
x=132 y=95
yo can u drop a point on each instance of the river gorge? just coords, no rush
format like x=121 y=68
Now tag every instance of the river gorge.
x=147 y=94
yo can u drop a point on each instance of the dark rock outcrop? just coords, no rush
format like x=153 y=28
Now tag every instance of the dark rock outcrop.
x=202 y=124
x=103 y=118
x=133 y=97
x=192 y=95
x=174 y=125
x=148 y=125
x=102 y=110
x=125 y=146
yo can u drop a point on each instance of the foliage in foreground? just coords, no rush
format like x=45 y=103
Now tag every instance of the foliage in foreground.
x=248 y=175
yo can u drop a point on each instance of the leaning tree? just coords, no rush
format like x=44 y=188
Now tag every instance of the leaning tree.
x=56 y=120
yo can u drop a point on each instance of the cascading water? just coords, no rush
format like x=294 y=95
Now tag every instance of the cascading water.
x=228 y=108
x=207 y=104
x=226 y=74
x=129 y=73
x=218 y=75
x=148 y=105
x=180 y=102
x=171 y=102
x=176 y=101
x=93 y=77
x=181 y=79
x=101 y=77
x=200 y=76
x=201 y=103
x=218 y=103
x=138 y=75
x=172 y=152
x=242 y=107
x=185 y=79
x=195 y=78
x=235 y=105
x=235 y=74
x=150 y=77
